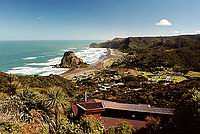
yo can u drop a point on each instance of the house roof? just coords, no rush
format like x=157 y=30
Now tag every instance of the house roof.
x=91 y=106
x=135 y=107
x=109 y=121
x=97 y=104
x=75 y=106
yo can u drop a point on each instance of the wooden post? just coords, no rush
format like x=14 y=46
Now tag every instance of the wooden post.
x=85 y=97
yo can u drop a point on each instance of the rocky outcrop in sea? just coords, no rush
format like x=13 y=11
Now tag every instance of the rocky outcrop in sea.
x=70 y=60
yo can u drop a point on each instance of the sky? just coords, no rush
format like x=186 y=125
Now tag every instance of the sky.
x=96 y=19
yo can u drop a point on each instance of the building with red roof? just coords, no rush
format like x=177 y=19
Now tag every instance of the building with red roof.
x=111 y=113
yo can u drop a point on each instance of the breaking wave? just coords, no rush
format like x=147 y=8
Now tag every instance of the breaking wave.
x=89 y=55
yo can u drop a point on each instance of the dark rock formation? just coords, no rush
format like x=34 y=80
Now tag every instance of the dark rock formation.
x=70 y=60
x=94 y=45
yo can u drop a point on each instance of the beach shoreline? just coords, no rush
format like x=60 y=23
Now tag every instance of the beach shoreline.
x=75 y=72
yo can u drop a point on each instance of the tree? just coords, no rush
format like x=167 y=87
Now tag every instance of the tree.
x=186 y=118
x=187 y=115
x=56 y=104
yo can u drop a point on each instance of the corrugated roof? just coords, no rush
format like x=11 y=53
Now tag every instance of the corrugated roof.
x=96 y=104
x=135 y=107
x=110 y=121
x=75 y=106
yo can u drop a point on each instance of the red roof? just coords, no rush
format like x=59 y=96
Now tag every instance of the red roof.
x=97 y=104
x=90 y=106
x=135 y=107
x=75 y=108
x=110 y=121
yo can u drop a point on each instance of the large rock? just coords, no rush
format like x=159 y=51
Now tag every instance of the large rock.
x=70 y=60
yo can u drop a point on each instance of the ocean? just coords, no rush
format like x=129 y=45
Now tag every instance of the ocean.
x=36 y=57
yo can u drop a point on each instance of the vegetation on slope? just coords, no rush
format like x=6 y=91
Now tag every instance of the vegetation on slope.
x=37 y=104
x=182 y=53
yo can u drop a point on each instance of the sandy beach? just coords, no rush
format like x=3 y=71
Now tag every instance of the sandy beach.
x=99 y=65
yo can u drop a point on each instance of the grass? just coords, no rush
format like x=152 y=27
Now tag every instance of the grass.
x=162 y=76
x=178 y=78
x=108 y=62
x=198 y=95
x=116 y=52
x=145 y=74
x=193 y=74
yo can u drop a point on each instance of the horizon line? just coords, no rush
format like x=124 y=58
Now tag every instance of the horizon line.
x=148 y=35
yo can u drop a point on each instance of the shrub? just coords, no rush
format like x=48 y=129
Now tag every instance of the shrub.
x=90 y=124
x=8 y=128
x=121 y=128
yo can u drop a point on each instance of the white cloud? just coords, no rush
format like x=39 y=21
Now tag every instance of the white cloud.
x=198 y=31
x=164 y=22
x=40 y=18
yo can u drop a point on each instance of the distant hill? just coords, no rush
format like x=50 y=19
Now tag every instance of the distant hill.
x=181 y=52
x=133 y=43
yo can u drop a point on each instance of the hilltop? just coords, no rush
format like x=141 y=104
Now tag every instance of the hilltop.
x=182 y=53
x=133 y=43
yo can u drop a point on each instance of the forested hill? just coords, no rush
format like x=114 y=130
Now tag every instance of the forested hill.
x=132 y=43
x=182 y=52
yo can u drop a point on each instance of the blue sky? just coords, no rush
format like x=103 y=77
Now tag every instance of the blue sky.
x=96 y=19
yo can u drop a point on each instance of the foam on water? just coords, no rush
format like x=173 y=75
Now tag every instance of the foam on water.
x=89 y=55
x=43 y=71
x=49 y=62
x=32 y=57
x=64 y=50
x=29 y=58
x=72 y=48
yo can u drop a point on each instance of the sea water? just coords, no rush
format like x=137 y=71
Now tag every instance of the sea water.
x=37 y=57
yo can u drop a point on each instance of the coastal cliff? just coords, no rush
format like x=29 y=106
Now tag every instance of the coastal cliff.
x=133 y=43
x=182 y=53
x=114 y=44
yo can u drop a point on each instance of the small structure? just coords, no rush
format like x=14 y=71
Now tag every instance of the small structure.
x=112 y=113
